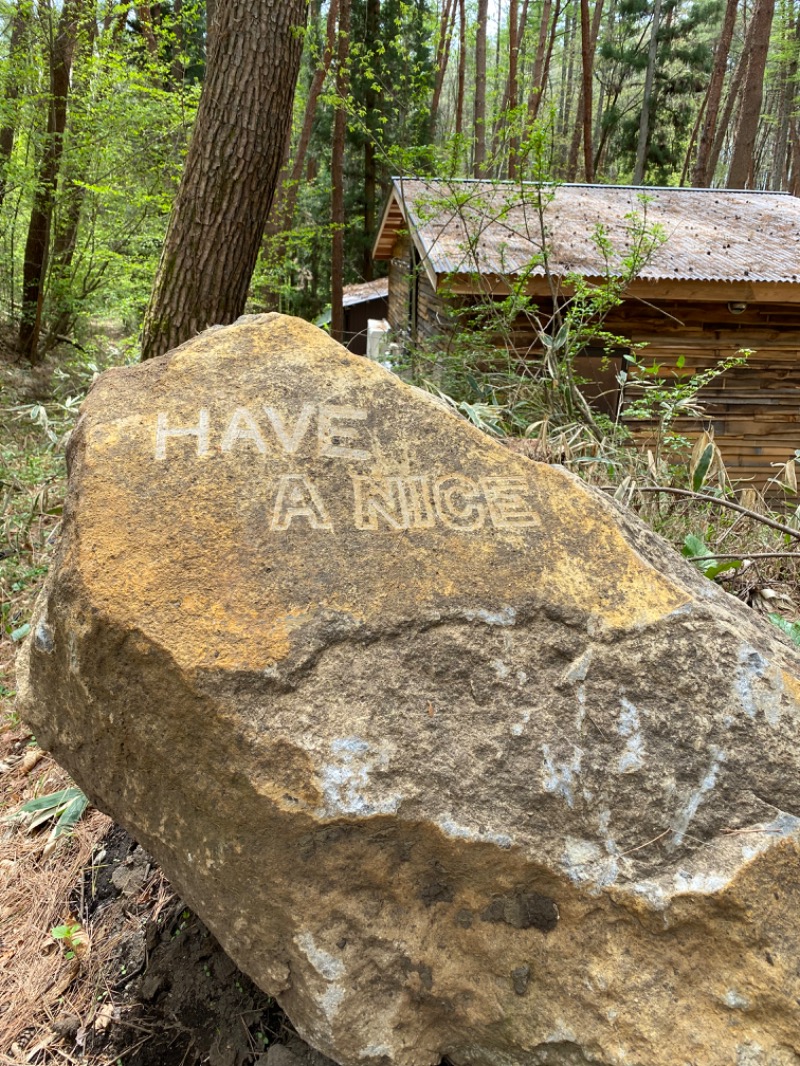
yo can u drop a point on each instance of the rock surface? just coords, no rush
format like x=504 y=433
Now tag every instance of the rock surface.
x=453 y=756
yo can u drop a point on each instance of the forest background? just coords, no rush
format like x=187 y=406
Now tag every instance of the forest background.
x=98 y=100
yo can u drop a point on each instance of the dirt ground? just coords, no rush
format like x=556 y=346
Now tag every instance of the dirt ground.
x=147 y=984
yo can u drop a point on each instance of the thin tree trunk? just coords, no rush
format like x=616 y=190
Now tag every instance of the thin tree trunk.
x=145 y=15
x=787 y=95
x=741 y=168
x=370 y=162
x=723 y=128
x=20 y=21
x=480 y=89
x=687 y=159
x=649 y=78
x=462 y=67
x=289 y=183
x=701 y=176
x=539 y=76
x=230 y=173
x=587 y=53
x=513 y=56
x=34 y=269
x=443 y=43
x=337 y=176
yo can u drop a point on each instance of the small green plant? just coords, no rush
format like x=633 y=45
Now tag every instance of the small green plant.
x=64 y=808
x=791 y=629
x=696 y=550
x=71 y=936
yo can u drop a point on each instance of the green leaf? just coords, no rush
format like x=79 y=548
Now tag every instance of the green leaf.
x=791 y=629
x=701 y=470
x=21 y=633
x=694 y=545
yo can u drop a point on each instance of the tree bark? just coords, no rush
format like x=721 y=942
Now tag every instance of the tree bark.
x=513 y=56
x=337 y=177
x=649 y=78
x=231 y=171
x=587 y=55
x=37 y=245
x=741 y=168
x=370 y=162
x=701 y=176
x=443 y=43
x=462 y=68
x=480 y=89
x=20 y=21
x=539 y=76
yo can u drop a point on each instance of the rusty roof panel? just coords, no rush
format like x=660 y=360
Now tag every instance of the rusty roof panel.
x=464 y=227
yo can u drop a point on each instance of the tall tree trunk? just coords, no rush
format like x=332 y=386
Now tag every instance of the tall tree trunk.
x=144 y=13
x=289 y=183
x=539 y=76
x=723 y=128
x=701 y=176
x=462 y=68
x=37 y=246
x=230 y=173
x=443 y=43
x=370 y=162
x=587 y=55
x=741 y=168
x=787 y=100
x=581 y=117
x=647 y=103
x=337 y=176
x=480 y=88
x=511 y=117
x=20 y=21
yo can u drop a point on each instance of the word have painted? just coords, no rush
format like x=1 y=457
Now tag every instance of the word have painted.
x=405 y=503
x=336 y=435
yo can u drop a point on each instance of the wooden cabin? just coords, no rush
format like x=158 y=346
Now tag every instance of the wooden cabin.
x=726 y=277
x=361 y=301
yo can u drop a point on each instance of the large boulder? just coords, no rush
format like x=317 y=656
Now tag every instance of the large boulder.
x=453 y=755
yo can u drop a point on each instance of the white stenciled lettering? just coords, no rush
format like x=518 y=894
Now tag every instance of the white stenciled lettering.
x=163 y=433
x=242 y=427
x=297 y=498
x=333 y=429
x=459 y=503
x=508 y=508
x=418 y=501
x=291 y=441
x=379 y=500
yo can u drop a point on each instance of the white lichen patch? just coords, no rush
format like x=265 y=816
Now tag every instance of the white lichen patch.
x=587 y=864
x=759 y=685
x=683 y=819
x=561 y=778
x=735 y=1000
x=478 y=834
x=518 y=728
x=578 y=669
x=506 y=616
x=345 y=780
x=329 y=968
x=501 y=669
x=630 y=729
x=757 y=842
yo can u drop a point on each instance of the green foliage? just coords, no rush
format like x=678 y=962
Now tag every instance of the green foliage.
x=791 y=629
x=696 y=549
x=64 y=808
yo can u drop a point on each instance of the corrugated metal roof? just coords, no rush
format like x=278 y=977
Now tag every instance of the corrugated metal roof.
x=494 y=228
x=364 y=291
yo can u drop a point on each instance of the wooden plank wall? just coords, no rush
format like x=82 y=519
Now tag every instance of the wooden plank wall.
x=754 y=410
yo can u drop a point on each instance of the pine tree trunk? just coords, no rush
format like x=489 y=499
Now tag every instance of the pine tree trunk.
x=462 y=69
x=513 y=56
x=337 y=177
x=370 y=162
x=480 y=89
x=230 y=173
x=20 y=21
x=539 y=76
x=741 y=168
x=37 y=246
x=701 y=176
x=649 y=78
x=586 y=109
x=443 y=43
